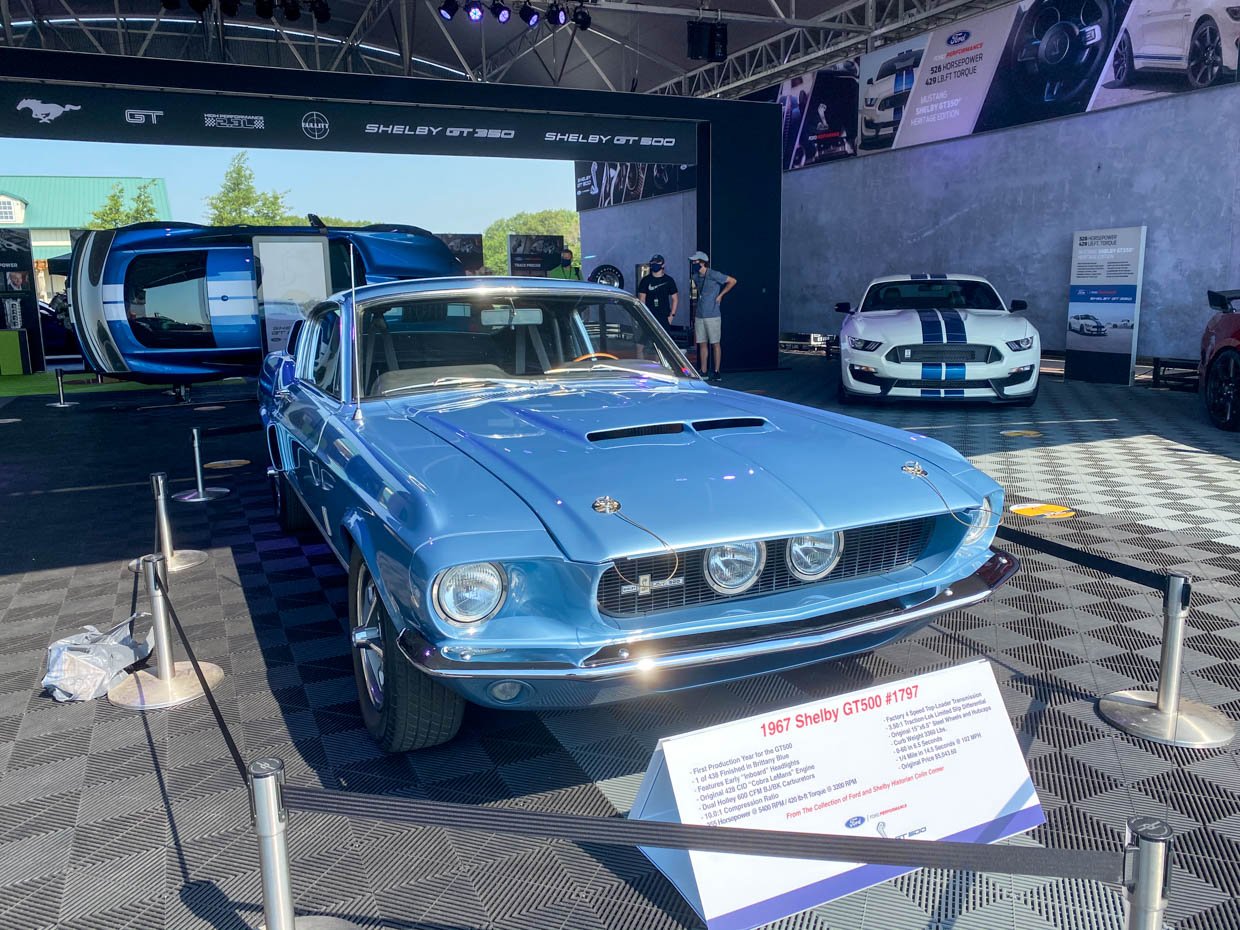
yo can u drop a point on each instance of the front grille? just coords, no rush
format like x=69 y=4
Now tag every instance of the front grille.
x=943 y=354
x=919 y=383
x=869 y=550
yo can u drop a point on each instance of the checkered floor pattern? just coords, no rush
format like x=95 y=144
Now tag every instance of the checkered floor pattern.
x=112 y=820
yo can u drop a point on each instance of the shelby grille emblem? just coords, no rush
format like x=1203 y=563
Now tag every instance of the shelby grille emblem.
x=645 y=585
x=45 y=112
x=315 y=125
x=233 y=121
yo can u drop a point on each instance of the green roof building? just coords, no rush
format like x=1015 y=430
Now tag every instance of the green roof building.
x=51 y=207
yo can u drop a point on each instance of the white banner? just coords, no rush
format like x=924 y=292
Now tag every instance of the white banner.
x=932 y=757
x=295 y=276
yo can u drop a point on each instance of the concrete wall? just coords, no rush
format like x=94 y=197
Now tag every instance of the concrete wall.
x=1005 y=205
x=627 y=235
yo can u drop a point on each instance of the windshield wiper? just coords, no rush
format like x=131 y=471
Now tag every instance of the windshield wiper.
x=657 y=375
x=450 y=382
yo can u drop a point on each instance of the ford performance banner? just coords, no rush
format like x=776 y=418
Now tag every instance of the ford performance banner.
x=607 y=183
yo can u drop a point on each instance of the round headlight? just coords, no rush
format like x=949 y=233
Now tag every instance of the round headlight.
x=981 y=519
x=811 y=558
x=470 y=593
x=734 y=567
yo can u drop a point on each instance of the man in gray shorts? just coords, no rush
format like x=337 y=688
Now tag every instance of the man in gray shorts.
x=711 y=285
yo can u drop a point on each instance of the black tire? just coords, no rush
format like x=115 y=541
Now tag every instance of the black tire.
x=408 y=710
x=290 y=511
x=845 y=396
x=1220 y=390
x=1205 y=54
x=1121 y=63
x=1029 y=400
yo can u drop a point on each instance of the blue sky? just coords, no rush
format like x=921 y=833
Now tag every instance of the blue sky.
x=440 y=193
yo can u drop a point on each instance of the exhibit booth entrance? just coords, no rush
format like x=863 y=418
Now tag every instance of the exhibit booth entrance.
x=219 y=305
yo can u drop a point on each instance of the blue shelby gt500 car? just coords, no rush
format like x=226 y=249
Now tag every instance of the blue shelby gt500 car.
x=541 y=505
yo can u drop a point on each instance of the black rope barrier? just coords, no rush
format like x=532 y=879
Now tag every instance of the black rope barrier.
x=1141 y=576
x=609 y=831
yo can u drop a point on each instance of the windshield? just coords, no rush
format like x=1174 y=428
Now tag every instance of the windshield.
x=418 y=343
x=940 y=294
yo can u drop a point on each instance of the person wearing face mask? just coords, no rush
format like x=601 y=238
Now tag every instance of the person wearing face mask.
x=565 y=269
x=658 y=291
x=712 y=287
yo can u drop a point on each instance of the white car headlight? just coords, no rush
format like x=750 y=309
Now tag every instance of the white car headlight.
x=863 y=345
x=470 y=593
x=981 y=519
x=733 y=567
x=811 y=558
x=1019 y=345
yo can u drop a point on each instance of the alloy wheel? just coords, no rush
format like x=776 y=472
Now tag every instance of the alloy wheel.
x=1205 y=55
x=368 y=636
x=1221 y=388
x=1119 y=63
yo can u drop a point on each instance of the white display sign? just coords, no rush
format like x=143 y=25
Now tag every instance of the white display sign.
x=932 y=757
x=295 y=276
x=1104 y=304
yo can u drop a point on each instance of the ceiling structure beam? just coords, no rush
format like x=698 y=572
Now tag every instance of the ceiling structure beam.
x=6 y=21
x=292 y=46
x=590 y=58
x=451 y=42
x=370 y=14
x=81 y=25
x=728 y=16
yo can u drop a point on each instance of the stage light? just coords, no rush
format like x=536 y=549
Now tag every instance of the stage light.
x=171 y=4
x=230 y=7
x=448 y=9
x=291 y=10
x=557 y=16
x=581 y=18
x=322 y=12
x=264 y=9
x=528 y=14
x=501 y=12
x=475 y=10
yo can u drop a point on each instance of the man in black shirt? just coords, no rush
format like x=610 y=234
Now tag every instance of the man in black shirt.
x=658 y=291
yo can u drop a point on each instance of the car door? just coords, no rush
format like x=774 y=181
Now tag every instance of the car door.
x=309 y=403
x=1161 y=37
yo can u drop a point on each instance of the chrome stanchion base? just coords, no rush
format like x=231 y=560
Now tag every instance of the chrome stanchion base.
x=316 y=922
x=68 y=403
x=208 y=494
x=180 y=561
x=144 y=690
x=1196 y=725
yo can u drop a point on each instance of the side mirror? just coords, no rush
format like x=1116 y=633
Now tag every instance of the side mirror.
x=1019 y=305
x=843 y=307
x=291 y=346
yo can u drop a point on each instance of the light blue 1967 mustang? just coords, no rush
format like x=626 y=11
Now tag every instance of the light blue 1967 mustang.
x=541 y=505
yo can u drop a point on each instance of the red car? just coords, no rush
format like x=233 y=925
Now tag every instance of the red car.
x=1220 y=361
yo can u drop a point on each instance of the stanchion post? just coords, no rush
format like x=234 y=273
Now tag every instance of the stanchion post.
x=201 y=493
x=270 y=826
x=1164 y=716
x=153 y=567
x=60 y=391
x=175 y=560
x=1149 y=873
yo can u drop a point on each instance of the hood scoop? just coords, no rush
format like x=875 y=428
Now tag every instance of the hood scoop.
x=632 y=432
x=703 y=426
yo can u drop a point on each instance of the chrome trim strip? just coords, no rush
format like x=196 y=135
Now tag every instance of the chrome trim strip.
x=964 y=593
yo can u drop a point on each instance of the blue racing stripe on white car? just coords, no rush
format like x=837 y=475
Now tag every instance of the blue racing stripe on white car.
x=931 y=392
x=931 y=372
x=953 y=326
x=931 y=327
x=953 y=373
x=954 y=392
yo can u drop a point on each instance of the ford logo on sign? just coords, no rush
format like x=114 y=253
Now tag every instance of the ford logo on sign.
x=958 y=38
x=853 y=822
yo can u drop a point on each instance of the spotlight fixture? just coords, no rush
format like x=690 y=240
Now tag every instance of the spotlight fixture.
x=557 y=16
x=291 y=10
x=528 y=14
x=448 y=9
x=170 y=4
x=230 y=8
x=474 y=10
x=263 y=9
x=322 y=12
x=581 y=18
x=501 y=12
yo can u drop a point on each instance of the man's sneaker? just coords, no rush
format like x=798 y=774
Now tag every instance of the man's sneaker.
x=716 y=377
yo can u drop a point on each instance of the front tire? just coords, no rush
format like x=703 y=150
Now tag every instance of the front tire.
x=1220 y=390
x=1030 y=399
x=1122 y=64
x=291 y=513
x=1205 y=54
x=402 y=708
x=845 y=396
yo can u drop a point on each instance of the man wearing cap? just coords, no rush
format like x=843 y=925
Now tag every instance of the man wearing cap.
x=712 y=286
x=658 y=291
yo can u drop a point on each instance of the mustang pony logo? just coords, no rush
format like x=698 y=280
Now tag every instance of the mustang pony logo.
x=45 y=112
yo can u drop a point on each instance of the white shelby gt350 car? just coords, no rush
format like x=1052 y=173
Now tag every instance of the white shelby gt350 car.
x=937 y=336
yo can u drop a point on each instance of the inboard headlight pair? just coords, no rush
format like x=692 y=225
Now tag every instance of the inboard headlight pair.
x=470 y=593
x=733 y=568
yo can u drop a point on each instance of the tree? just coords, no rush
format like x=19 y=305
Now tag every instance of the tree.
x=239 y=201
x=337 y=221
x=542 y=223
x=142 y=209
x=112 y=212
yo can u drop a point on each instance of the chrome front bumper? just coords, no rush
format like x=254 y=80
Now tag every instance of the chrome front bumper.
x=642 y=657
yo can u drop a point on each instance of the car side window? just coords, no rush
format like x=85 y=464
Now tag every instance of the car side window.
x=321 y=362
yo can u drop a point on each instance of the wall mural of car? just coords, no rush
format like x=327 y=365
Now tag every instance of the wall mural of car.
x=1220 y=360
x=505 y=466
x=1086 y=324
x=937 y=336
x=885 y=95
x=1196 y=38
x=177 y=303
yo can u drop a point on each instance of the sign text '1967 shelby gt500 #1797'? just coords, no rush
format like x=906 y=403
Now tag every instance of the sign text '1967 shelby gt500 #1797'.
x=541 y=505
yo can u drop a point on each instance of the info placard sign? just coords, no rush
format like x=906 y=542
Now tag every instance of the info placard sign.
x=932 y=758
x=1104 y=304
